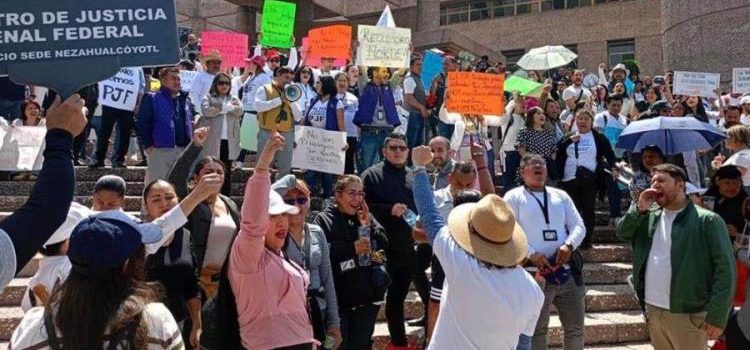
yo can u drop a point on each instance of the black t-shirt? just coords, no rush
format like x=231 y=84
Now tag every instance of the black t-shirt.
x=173 y=267
x=730 y=209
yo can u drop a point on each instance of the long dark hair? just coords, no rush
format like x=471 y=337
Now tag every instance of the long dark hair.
x=298 y=76
x=89 y=302
x=328 y=87
x=205 y=161
x=214 y=91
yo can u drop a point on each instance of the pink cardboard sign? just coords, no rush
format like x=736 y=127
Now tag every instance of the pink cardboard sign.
x=232 y=47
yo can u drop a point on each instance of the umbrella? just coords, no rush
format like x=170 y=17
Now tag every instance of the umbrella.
x=672 y=134
x=546 y=57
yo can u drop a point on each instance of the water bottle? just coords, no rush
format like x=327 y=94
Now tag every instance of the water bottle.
x=410 y=217
x=364 y=233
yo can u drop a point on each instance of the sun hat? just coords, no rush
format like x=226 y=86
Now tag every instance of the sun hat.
x=745 y=99
x=277 y=206
x=621 y=67
x=76 y=214
x=214 y=55
x=488 y=231
x=104 y=241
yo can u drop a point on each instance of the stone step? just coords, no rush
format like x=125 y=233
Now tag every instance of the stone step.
x=131 y=203
x=135 y=173
x=609 y=252
x=10 y=317
x=86 y=188
x=599 y=298
x=606 y=273
x=13 y=293
x=610 y=328
x=633 y=346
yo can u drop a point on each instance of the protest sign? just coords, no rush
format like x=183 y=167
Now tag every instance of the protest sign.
x=277 y=24
x=432 y=65
x=186 y=79
x=475 y=93
x=66 y=44
x=231 y=46
x=741 y=80
x=315 y=61
x=319 y=149
x=21 y=147
x=695 y=83
x=523 y=86
x=332 y=41
x=383 y=47
x=121 y=90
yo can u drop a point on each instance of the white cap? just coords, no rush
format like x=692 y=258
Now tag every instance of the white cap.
x=76 y=214
x=745 y=99
x=693 y=189
x=276 y=205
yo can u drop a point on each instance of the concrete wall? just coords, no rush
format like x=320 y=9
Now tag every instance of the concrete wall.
x=588 y=27
x=704 y=35
x=207 y=15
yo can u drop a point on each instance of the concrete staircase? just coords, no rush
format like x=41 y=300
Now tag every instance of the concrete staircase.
x=613 y=320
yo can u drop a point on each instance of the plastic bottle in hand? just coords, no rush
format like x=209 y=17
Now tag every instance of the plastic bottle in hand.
x=364 y=233
x=410 y=217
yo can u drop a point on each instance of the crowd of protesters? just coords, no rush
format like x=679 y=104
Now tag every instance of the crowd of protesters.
x=422 y=188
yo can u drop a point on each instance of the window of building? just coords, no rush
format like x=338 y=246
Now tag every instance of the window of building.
x=502 y=8
x=620 y=50
x=511 y=58
x=526 y=6
x=479 y=10
x=454 y=14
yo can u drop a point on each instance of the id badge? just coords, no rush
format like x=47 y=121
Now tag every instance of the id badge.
x=549 y=235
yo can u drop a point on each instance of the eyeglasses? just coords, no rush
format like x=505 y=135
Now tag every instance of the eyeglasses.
x=296 y=201
x=398 y=148
x=227 y=83
x=354 y=193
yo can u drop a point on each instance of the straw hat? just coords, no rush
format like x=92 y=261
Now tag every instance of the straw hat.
x=488 y=231
x=214 y=55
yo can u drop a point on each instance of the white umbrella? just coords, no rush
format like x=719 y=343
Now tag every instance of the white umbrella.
x=546 y=57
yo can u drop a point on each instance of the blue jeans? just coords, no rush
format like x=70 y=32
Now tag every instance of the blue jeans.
x=614 y=195
x=445 y=130
x=311 y=177
x=11 y=110
x=370 y=143
x=415 y=130
x=510 y=171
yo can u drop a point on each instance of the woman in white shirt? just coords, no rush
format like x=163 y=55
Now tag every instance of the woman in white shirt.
x=351 y=104
x=326 y=112
x=738 y=138
x=504 y=141
x=304 y=79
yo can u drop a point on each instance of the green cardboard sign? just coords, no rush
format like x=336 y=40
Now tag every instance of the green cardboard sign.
x=523 y=86
x=278 y=23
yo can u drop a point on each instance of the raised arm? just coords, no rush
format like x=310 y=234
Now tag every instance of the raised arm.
x=47 y=207
x=180 y=172
x=247 y=249
x=424 y=198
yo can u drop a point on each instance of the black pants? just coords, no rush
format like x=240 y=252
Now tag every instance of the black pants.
x=583 y=194
x=110 y=116
x=421 y=282
x=351 y=154
x=402 y=273
x=305 y=346
x=357 y=326
x=226 y=188
x=735 y=338
x=79 y=151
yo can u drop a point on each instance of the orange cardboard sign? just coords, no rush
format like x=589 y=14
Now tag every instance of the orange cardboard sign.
x=332 y=41
x=476 y=93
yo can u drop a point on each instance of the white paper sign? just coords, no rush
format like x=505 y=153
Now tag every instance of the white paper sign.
x=186 y=79
x=696 y=83
x=21 y=147
x=121 y=90
x=320 y=150
x=741 y=80
x=383 y=47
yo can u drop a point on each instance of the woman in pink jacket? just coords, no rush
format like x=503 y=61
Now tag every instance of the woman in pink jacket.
x=270 y=290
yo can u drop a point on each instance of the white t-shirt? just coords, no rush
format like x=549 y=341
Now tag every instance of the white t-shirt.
x=586 y=156
x=317 y=114
x=659 y=264
x=201 y=85
x=444 y=202
x=612 y=121
x=574 y=91
x=351 y=104
x=741 y=159
x=482 y=308
x=409 y=85
x=163 y=330
x=53 y=271
x=563 y=216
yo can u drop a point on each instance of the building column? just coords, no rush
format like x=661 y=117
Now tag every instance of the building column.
x=428 y=17
x=246 y=20
x=304 y=19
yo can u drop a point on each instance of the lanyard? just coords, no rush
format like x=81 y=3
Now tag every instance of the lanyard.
x=544 y=207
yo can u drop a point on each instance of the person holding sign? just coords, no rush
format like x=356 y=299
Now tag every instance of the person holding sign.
x=274 y=58
x=221 y=114
x=274 y=109
x=351 y=104
x=326 y=112
x=166 y=124
x=376 y=116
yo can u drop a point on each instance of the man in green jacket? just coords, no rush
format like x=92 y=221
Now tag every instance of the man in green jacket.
x=683 y=266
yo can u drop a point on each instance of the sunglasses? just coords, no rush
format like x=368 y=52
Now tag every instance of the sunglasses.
x=296 y=201
x=228 y=83
x=398 y=148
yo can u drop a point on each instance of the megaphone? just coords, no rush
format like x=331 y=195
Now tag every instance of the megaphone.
x=292 y=93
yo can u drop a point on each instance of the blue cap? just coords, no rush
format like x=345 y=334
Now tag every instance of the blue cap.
x=105 y=240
